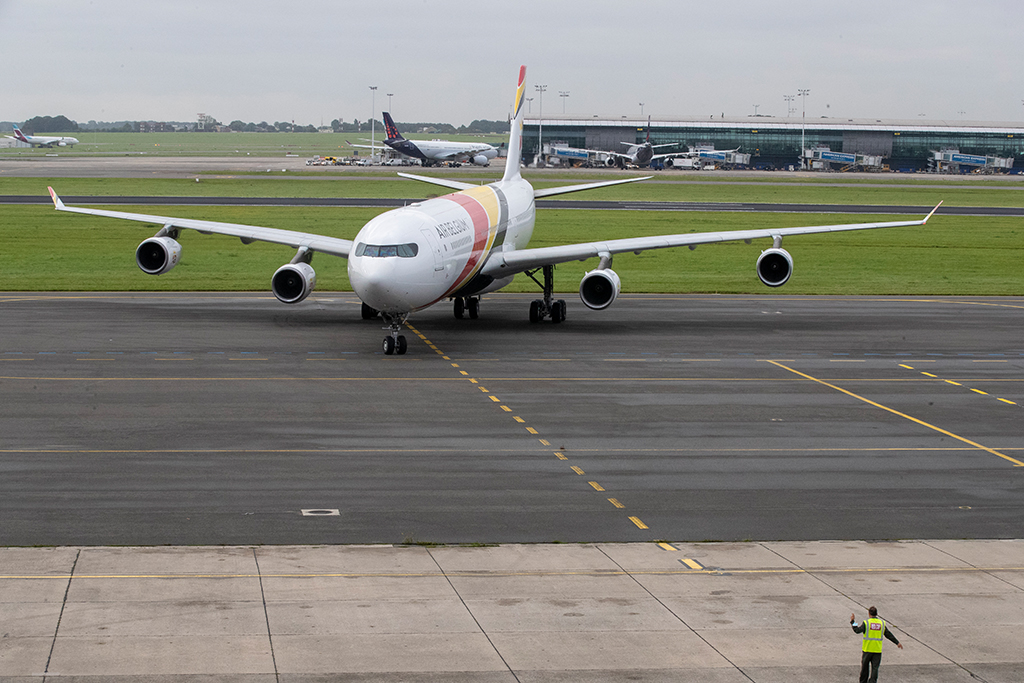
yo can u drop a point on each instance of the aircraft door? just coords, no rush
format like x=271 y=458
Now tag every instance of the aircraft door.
x=432 y=243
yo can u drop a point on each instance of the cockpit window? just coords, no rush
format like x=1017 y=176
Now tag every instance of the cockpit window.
x=387 y=250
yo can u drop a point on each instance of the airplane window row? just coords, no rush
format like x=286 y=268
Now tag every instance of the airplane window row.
x=387 y=250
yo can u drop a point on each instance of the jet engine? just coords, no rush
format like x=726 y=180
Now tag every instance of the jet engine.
x=481 y=160
x=599 y=288
x=293 y=282
x=774 y=266
x=157 y=255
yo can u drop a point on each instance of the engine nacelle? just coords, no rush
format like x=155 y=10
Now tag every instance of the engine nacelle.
x=481 y=160
x=157 y=255
x=774 y=266
x=293 y=282
x=599 y=288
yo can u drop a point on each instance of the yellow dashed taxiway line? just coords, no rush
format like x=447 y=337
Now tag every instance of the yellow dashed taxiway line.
x=940 y=430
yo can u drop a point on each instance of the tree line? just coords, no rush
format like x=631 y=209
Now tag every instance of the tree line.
x=62 y=124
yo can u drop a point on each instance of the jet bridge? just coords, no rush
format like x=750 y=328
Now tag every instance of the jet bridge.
x=951 y=161
x=824 y=159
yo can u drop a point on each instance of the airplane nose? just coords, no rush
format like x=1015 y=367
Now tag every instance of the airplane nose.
x=387 y=284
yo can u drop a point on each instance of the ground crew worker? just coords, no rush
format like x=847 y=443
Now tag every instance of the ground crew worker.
x=873 y=629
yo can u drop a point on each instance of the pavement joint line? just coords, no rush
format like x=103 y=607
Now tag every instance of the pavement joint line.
x=1016 y=463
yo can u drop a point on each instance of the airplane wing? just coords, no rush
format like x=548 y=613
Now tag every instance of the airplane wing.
x=505 y=263
x=247 y=233
x=352 y=144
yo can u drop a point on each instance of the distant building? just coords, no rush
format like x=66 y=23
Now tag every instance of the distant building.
x=776 y=142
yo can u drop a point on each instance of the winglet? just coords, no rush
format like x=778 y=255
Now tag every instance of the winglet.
x=932 y=213
x=57 y=203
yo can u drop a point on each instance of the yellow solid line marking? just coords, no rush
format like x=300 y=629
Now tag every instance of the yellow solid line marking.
x=455 y=365
x=560 y=455
x=483 y=390
x=597 y=487
x=506 y=409
x=248 y=359
x=544 y=442
x=908 y=367
x=639 y=524
x=616 y=503
x=174 y=359
x=495 y=399
x=1006 y=400
x=692 y=564
x=517 y=418
x=577 y=470
x=534 y=431
x=928 y=374
x=103 y=359
x=979 y=391
x=473 y=381
x=666 y=546
x=463 y=372
x=956 y=384
x=1016 y=462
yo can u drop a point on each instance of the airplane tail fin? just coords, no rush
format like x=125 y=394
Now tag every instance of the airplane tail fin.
x=18 y=134
x=515 y=137
x=391 y=128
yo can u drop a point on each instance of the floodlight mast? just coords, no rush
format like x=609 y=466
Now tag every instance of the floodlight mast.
x=373 y=117
x=803 y=122
x=540 y=124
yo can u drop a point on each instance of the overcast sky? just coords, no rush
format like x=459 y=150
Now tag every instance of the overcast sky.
x=454 y=60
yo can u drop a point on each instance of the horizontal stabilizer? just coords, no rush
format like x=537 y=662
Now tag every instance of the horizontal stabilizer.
x=450 y=184
x=552 y=191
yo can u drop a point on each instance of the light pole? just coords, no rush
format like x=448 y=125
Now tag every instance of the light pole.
x=529 y=105
x=755 y=108
x=789 y=104
x=803 y=122
x=389 y=105
x=373 y=116
x=540 y=125
x=641 y=110
x=563 y=94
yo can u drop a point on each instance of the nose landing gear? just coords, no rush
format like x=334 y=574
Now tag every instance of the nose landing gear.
x=394 y=343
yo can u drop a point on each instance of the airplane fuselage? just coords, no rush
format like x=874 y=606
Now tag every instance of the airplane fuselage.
x=410 y=258
x=441 y=150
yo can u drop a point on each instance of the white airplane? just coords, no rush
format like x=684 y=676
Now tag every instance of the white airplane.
x=456 y=247
x=638 y=154
x=431 y=152
x=42 y=140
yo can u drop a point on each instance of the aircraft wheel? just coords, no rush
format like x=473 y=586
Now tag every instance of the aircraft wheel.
x=473 y=303
x=535 y=311
x=402 y=346
x=389 y=346
x=558 y=311
x=460 y=306
x=369 y=313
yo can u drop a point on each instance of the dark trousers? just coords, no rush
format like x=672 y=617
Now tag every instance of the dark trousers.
x=873 y=660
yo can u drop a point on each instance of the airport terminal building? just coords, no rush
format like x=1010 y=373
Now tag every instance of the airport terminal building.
x=775 y=143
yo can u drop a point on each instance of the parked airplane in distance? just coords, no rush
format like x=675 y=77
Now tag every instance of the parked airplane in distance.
x=457 y=247
x=42 y=140
x=638 y=154
x=431 y=152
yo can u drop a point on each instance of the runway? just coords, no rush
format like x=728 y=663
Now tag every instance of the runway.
x=208 y=419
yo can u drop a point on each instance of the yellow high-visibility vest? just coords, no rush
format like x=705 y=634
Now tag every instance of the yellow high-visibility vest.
x=874 y=631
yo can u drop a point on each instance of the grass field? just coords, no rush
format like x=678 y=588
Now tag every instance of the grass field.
x=663 y=187
x=223 y=144
x=43 y=250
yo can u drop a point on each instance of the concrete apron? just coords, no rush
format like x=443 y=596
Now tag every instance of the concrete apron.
x=718 y=612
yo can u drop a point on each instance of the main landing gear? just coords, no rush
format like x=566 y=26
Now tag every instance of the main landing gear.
x=467 y=304
x=394 y=343
x=546 y=307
